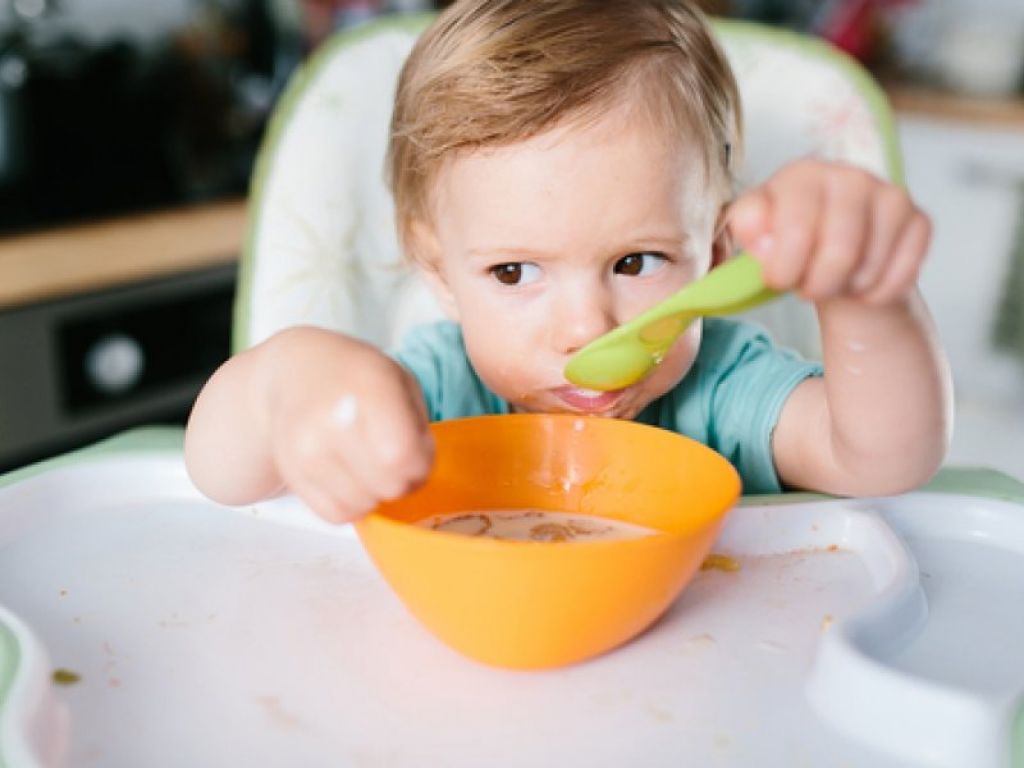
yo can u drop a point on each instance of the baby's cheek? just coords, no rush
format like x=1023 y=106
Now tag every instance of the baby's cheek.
x=498 y=364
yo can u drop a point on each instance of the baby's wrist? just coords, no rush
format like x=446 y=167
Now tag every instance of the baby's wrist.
x=846 y=305
x=847 y=317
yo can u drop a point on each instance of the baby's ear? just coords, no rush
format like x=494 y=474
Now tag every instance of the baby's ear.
x=426 y=256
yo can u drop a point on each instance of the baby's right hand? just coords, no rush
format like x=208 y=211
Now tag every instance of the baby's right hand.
x=347 y=425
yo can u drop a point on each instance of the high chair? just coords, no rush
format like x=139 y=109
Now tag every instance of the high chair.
x=881 y=633
x=322 y=247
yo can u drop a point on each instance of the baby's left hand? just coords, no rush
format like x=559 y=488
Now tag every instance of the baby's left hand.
x=829 y=230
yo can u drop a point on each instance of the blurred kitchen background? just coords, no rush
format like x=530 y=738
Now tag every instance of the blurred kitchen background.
x=127 y=137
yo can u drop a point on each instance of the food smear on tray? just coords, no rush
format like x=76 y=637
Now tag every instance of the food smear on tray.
x=535 y=525
x=716 y=562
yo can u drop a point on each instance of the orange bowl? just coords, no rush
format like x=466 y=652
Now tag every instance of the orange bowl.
x=531 y=605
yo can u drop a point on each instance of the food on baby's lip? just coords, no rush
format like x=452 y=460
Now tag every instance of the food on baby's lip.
x=535 y=525
x=720 y=563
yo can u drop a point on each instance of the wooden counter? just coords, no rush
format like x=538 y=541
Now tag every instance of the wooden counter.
x=70 y=260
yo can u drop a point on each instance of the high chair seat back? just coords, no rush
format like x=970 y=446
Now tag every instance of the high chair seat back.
x=321 y=248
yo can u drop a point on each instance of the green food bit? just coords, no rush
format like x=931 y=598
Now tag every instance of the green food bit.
x=65 y=677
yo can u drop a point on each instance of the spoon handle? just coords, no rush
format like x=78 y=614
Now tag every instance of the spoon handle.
x=732 y=287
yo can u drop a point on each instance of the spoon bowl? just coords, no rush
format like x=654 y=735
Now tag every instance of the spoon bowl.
x=627 y=354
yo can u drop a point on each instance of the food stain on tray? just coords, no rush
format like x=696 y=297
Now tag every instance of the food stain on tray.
x=715 y=562
x=65 y=677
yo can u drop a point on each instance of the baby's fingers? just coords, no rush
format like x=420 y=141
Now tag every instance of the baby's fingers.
x=336 y=496
x=842 y=234
x=328 y=487
x=797 y=202
x=902 y=270
x=396 y=450
x=784 y=213
x=749 y=221
x=892 y=211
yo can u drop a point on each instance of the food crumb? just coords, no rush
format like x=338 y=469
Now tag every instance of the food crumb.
x=699 y=643
x=660 y=714
x=769 y=645
x=833 y=547
x=826 y=622
x=65 y=677
x=720 y=563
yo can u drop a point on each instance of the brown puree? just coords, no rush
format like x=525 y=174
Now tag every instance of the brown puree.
x=535 y=525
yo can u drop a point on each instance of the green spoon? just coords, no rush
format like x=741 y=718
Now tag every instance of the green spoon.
x=628 y=353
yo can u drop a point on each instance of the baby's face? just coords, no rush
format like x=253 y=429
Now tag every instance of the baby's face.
x=544 y=245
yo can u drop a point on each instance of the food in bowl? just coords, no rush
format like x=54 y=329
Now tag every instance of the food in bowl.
x=535 y=525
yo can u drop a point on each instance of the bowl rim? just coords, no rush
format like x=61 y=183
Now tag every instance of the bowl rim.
x=713 y=515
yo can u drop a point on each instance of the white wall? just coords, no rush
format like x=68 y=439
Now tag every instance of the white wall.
x=971 y=181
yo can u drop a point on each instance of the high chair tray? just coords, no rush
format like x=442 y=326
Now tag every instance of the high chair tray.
x=882 y=633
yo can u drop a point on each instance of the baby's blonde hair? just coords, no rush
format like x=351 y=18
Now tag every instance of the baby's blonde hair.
x=494 y=72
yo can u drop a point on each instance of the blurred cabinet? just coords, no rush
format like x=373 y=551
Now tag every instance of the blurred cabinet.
x=971 y=181
x=112 y=325
x=970 y=178
x=84 y=367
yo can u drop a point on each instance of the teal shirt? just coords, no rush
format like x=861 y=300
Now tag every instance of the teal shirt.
x=730 y=399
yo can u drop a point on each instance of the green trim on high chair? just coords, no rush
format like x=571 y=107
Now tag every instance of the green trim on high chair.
x=726 y=30
x=10 y=658
x=964 y=481
x=1017 y=739
x=140 y=440
x=816 y=48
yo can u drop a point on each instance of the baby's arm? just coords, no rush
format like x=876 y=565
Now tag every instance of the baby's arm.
x=879 y=421
x=326 y=416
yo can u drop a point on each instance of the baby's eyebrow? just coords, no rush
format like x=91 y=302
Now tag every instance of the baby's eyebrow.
x=510 y=253
x=671 y=243
x=627 y=245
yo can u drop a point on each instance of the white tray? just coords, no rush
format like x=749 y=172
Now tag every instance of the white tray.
x=881 y=633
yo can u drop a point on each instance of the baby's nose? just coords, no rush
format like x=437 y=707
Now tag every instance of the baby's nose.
x=581 y=318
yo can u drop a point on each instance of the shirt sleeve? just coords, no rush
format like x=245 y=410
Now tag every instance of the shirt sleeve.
x=750 y=381
x=435 y=354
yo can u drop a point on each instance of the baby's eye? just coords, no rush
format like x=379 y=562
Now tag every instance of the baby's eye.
x=516 y=273
x=639 y=264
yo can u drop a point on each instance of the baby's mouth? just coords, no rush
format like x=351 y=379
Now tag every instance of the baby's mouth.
x=588 y=400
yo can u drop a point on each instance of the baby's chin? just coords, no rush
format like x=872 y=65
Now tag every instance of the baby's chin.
x=626 y=403
x=628 y=408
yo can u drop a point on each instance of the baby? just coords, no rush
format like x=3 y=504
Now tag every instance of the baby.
x=558 y=166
